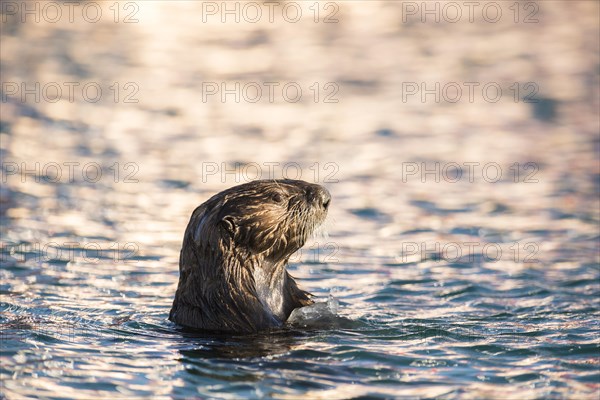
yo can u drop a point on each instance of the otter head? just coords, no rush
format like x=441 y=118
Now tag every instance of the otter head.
x=236 y=246
x=272 y=218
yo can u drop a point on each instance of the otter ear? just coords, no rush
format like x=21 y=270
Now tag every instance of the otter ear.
x=229 y=224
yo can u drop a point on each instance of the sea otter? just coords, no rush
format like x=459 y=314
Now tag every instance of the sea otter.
x=232 y=275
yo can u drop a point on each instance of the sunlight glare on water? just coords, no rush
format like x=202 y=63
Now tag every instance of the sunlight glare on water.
x=460 y=257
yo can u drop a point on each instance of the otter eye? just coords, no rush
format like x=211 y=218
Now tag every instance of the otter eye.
x=277 y=197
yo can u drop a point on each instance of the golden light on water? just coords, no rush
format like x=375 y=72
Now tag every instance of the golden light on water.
x=462 y=157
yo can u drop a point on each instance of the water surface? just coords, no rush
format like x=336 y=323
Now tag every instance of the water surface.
x=450 y=286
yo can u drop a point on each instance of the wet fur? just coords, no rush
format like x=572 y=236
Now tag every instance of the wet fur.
x=234 y=253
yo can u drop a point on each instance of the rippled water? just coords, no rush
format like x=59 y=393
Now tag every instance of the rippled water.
x=448 y=286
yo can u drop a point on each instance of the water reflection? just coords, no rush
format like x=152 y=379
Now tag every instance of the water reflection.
x=463 y=236
x=241 y=347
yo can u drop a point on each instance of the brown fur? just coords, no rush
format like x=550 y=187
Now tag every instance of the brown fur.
x=234 y=253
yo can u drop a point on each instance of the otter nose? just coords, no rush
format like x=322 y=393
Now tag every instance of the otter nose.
x=319 y=195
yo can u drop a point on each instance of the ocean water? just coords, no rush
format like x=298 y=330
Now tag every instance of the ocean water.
x=417 y=330
x=460 y=258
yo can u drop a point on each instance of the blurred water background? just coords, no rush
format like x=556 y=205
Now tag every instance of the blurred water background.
x=460 y=142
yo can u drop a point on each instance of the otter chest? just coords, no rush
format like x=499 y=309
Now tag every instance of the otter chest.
x=269 y=288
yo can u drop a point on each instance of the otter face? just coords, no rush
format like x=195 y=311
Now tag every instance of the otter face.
x=273 y=218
